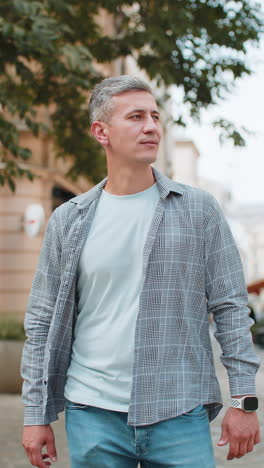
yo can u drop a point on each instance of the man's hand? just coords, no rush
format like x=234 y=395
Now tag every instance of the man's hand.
x=241 y=430
x=34 y=439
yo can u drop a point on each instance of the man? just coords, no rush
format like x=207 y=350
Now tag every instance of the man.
x=117 y=319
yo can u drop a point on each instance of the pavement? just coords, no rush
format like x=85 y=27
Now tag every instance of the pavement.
x=11 y=420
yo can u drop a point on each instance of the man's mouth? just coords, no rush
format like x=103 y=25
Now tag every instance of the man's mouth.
x=150 y=142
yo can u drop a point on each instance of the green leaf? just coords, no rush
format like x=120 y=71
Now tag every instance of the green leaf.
x=11 y=184
x=24 y=153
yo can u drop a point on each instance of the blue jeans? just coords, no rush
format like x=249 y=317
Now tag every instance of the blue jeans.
x=101 y=438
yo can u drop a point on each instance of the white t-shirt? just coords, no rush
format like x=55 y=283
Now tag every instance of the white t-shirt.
x=109 y=286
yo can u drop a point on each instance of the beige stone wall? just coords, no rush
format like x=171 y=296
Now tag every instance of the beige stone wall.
x=19 y=253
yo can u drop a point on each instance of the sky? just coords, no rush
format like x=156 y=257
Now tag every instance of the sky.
x=241 y=170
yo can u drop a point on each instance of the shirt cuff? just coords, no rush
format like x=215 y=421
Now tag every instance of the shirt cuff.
x=33 y=416
x=243 y=385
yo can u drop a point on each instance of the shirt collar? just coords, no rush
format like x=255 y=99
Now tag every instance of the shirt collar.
x=164 y=184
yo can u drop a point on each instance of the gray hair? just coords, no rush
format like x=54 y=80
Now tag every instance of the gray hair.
x=101 y=106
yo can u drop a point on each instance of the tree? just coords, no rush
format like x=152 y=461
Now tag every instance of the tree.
x=48 y=50
x=45 y=61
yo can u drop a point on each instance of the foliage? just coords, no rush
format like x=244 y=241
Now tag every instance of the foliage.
x=45 y=60
x=48 y=50
x=11 y=329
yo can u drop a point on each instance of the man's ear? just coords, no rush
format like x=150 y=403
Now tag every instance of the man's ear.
x=100 y=132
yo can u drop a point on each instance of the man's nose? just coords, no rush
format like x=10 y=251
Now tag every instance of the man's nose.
x=150 y=125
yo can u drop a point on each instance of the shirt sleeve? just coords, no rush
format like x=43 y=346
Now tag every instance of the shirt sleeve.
x=227 y=300
x=37 y=321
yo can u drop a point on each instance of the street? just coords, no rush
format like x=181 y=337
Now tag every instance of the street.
x=11 y=410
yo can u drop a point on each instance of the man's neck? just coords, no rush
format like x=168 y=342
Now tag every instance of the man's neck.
x=124 y=182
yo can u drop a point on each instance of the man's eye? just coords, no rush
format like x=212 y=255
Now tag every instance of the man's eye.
x=136 y=116
x=156 y=117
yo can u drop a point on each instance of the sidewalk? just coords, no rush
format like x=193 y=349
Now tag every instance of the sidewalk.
x=11 y=416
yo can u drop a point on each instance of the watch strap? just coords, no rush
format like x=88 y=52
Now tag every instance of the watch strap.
x=237 y=402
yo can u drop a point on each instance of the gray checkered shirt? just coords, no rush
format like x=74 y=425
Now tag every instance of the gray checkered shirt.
x=191 y=267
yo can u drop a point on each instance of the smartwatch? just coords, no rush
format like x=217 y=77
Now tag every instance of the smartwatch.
x=246 y=403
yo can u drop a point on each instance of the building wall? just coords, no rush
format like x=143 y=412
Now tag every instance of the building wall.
x=184 y=156
x=19 y=253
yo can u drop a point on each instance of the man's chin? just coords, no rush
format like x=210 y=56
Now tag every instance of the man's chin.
x=147 y=160
x=149 y=156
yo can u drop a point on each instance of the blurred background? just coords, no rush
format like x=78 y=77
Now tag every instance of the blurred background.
x=205 y=61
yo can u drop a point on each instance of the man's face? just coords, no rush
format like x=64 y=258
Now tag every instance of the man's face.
x=134 y=128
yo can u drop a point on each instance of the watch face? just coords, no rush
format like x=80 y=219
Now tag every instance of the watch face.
x=251 y=403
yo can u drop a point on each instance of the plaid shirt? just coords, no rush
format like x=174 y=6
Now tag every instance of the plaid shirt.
x=191 y=267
